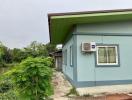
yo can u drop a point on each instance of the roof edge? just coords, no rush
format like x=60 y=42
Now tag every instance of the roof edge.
x=82 y=12
x=88 y=12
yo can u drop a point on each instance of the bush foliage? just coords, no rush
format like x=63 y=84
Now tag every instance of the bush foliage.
x=25 y=74
x=31 y=79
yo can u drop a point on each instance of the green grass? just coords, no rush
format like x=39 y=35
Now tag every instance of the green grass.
x=72 y=92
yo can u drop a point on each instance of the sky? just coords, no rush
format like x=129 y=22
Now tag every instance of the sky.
x=23 y=21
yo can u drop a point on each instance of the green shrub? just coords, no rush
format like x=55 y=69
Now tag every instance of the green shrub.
x=10 y=95
x=4 y=86
x=32 y=78
x=6 y=90
x=51 y=61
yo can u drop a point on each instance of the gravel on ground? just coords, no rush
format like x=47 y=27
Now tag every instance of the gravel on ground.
x=61 y=86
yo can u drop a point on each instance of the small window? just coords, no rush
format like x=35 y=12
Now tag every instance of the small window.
x=71 y=55
x=65 y=57
x=107 y=55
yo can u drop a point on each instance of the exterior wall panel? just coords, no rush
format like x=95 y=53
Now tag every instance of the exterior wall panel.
x=86 y=63
x=87 y=71
x=120 y=28
x=67 y=69
x=84 y=71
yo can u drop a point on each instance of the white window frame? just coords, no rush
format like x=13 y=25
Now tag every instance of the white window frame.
x=116 y=48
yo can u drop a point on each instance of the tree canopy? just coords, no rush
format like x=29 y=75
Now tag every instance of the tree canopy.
x=35 y=49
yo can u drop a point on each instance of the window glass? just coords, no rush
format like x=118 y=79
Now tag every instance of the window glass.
x=111 y=55
x=65 y=57
x=102 y=57
x=71 y=55
x=107 y=55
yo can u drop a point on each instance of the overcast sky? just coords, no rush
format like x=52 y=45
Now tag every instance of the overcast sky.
x=23 y=21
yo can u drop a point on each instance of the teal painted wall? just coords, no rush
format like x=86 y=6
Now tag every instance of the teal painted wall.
x=84 y=71
x=86 y=68
x=116 y=27
x=86 y=62
x=67 y=69
x=124 y=72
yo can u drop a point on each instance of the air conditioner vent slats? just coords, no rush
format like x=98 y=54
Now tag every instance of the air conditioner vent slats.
x=88 y=47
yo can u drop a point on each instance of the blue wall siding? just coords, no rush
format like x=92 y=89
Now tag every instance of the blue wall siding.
x=107 y=28
x=84 y=71
x=87 y=71
x=86 y=68
x=86 y=62
x=124 y=72
x=67 y=69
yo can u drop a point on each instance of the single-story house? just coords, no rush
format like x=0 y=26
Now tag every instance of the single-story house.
x=97 y=46
x=57 y=55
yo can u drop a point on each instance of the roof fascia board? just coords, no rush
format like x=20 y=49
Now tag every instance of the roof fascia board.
x=89 y=15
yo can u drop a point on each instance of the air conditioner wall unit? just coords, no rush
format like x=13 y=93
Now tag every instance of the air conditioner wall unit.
x=88 y=46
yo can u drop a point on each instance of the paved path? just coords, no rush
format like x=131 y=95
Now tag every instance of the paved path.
x=112 y=89
x=61 y=86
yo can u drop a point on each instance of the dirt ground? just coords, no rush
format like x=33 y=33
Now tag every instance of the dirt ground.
x=62 y=87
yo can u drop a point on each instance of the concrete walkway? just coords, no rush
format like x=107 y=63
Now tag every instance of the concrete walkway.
x=61 y=86
x=99 y=90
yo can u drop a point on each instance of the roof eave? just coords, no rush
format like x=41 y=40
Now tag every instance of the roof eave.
x=50 y=16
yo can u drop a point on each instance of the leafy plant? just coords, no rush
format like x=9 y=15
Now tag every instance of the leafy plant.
x=6 y=89
x=32 y=78
x=10 y=95
x=4 y=86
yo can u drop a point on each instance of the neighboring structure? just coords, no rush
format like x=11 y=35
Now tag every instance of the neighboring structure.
x=97 y=46
x=57 y=55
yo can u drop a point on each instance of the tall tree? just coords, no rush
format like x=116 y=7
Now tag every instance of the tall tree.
x=18 y=55
x=50 y=48
x=5 y=54
x=36 y=49
x=1 y=51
